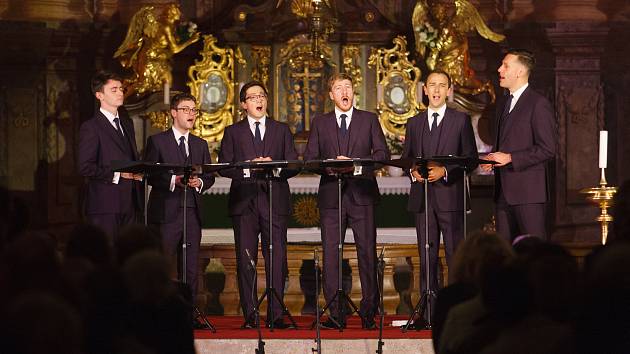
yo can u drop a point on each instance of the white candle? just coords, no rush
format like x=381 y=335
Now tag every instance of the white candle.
x=419 y=92
x=451 y=95
x=603 y=149
x=379 y=93
x=167 y=93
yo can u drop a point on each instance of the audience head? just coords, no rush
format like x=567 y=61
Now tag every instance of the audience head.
x=91 y=243
x=478 y=253
x=135 y=239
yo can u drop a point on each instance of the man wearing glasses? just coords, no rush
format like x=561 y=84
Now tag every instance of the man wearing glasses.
x=113 y=199
x=165 y=209
x=258 y=138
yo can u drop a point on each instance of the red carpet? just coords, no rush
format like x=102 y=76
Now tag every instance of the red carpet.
x=229 y=327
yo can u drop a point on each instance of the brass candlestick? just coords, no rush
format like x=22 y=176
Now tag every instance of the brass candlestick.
x=603 y=197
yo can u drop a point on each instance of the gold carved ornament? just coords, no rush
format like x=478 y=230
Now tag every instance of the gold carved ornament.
x=397 y=83
x=261 y=55
x=301 y=65
x=351 y=56
x=440 y=28
x=212 y=83
x=148 y=47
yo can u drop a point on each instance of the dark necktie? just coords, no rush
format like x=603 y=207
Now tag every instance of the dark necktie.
x=434 y=122
x=344 y=126
x=257 y=136
x=182 y=146
x=119 y=128
x=506 y=109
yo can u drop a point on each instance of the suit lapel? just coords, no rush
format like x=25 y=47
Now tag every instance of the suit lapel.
x=173 y=147
x=423 y=125
x=270 y=136
x=355 y=131
x=447 y=124
x=331 y=129
x=109 y=130
x=247 y=138
x=508 y=122
x=127 y=126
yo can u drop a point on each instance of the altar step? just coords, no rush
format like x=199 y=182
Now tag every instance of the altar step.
x=229 y=338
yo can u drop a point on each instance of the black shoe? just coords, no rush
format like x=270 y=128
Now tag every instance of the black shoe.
x=249 y=325
x=368 y=323
x=330 y=324
x=419 y=324
x=280 y=324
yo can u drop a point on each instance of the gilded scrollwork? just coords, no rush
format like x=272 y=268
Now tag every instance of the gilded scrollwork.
x=261 y=55
x=212 y=81
x=351 y=56
x=397 y=83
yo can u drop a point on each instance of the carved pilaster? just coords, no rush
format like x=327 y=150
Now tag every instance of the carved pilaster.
x=579 y=107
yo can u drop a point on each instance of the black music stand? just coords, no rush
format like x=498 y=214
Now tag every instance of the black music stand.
x=267 y=168
x=147 y=168
x=153 y=168
x=429 y=295
x=339 y=169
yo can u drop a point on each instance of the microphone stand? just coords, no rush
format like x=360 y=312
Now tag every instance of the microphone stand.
x=197 y=313
x=261 y=344
x=380 y=274
x=318 y=338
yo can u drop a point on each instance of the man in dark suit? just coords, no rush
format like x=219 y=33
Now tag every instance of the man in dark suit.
x=439 y=131
x=525 y=140
x=342 y=134
x=258 y=138
x=113 y=199
x=166 y=208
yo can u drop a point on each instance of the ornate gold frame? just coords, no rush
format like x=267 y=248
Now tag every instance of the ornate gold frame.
x=217 y=62
x=298 y=53
x=394 y=70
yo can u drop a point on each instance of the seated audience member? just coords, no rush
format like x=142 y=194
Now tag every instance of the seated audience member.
x=475 y=255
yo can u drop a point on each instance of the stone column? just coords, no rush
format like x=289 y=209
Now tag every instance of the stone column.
x=579 y=105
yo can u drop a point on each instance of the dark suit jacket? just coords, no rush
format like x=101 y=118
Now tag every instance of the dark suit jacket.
x=366 y=140
x=238 y=145
x=529 y=134
x=163 y=147
x=456 y=138
x=99 y=145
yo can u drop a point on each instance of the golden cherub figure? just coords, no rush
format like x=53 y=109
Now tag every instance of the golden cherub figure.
x=148 y=47
x=441 y=27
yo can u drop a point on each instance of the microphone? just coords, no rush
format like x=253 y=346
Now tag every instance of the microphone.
x=251 y=260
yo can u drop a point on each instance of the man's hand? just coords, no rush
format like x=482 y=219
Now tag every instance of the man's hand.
x=178 y=181
x=436 y=172
x=416 y=174
x=135 y=176
x=194 y=182
x=500 y=157
x=263 y=159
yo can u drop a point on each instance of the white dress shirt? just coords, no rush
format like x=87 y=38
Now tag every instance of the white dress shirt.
x=110 y=117
x=516 y=95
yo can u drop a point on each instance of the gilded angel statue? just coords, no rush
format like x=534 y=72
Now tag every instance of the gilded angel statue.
x=440 y=28
x=148 y=47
